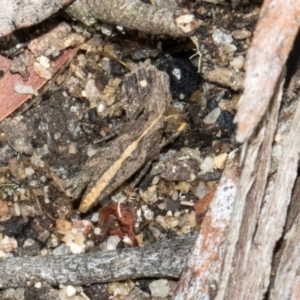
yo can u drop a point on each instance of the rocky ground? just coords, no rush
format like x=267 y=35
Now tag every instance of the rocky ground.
x=99 y=103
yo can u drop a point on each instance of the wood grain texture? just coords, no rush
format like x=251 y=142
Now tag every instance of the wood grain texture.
x=273 y=39
x=9 y=99
x=134 y=14
x=201 y=274
x=162 y=259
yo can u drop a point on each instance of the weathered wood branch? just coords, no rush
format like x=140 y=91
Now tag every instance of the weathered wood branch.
x=163 y=259
x=258 y=225
x=273 y=39
x=135 y=14
x=286 y=265
x=199 y=278
x=132 y=14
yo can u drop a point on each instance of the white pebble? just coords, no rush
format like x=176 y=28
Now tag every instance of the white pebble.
x=24 y=89
x=38 y=285
x=29 y=171
x=101 y=109
x=42 y=71
x=207 y=165
x=95 y=217
x=97 y=231
x=221 y=37
x=92 y=93
x=213 y=116
x=159 y=288
x=112 y=242
x=75 y=248
x=237 y=62
x=44 y=61
x=70 y=291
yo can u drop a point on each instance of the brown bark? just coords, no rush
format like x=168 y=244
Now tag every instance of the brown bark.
x=162 y=259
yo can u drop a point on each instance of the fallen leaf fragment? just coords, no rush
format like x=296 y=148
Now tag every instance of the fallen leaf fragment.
x=125 y=218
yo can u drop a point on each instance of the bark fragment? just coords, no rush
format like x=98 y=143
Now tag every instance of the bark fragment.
x=287 y=281
x=271 y=44
x=264 y=194
x=200 y=277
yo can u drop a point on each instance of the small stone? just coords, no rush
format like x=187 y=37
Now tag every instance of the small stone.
x=63 y=226
x=27 y=211
x=28 y=243
x=192 y=219
x=106 y=29
x=221 y=37
x=4 y=209
x=62 y=249
x=82 y=226
x=41 y=71
x=183 y=186
x=38 y=285
x=220 y=160
x=79 y=239
x=75 y=248
x=44 y=252
x=112 y=242
x=150 y=195
x=24 y=89
x=241 y=34
x=8 y=294
x=70 y=291
x=44 y=61
x=213 y=116
x=19 y=134
x=97 y=231
x=237 y=62
x=179 y=167
x=227 y=105
x=200 y=190
x=207 y=165
x=186 y=229
x=8 y=244
x=91 y=92
x=159 y=288
x=95 y=217
x=19 y=293
x=148 y=213
x=29 y=171
x=120 y=288
x=53 y=241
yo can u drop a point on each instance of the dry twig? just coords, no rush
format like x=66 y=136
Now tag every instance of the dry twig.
x=162 y=259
